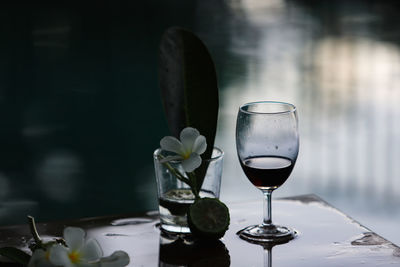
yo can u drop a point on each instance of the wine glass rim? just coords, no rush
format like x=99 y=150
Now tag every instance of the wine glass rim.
x=290 y=110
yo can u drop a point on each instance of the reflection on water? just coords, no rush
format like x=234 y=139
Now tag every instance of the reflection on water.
x=59 y=176
x=4 y=186
x=13 y=210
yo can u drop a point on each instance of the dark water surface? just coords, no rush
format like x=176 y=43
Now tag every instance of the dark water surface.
x=80 y=112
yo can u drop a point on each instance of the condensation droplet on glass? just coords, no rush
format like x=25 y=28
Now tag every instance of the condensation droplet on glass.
x=276 y=147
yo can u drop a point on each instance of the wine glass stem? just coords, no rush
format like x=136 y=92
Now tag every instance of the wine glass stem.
x=267 y=208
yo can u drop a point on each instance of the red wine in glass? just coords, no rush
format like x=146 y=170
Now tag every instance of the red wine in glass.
x=267 y=172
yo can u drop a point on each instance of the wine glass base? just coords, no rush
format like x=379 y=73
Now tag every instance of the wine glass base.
x=273 y=234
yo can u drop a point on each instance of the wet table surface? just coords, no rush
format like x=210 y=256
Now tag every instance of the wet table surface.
x=327 y=237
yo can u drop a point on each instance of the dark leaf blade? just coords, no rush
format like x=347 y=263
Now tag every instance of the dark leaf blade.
x=15 y=255
x=201 y=89
x=189 y=88
x=171 y=80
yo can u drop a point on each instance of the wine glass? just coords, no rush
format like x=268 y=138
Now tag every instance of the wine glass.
x=267 y=143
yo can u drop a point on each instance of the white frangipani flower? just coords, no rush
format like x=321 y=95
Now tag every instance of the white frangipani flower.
x=40 y=258
x=188 y=149
x=80 y=252
x=74 y=252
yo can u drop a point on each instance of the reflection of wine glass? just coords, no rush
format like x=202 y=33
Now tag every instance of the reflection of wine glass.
x=268 y=253
x=268 y=256
x=267 y=143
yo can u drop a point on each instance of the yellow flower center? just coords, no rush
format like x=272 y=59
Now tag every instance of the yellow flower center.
x=74 y=257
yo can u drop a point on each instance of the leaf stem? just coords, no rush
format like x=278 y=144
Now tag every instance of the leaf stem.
x=35 y=234
x=192 y=179
x=176 y=172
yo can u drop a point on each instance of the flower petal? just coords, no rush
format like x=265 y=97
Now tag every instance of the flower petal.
x=74 y=237
x=38 y=259
x=200 y=145
x=118 y=258
x=38 y=255
x=59 y=256
x=170 y=143
x=188 y=137
x=91 y=251
x=193 y=162
x=171 y=158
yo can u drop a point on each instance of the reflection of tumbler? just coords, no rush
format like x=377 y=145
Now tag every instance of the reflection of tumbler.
x=196 y=253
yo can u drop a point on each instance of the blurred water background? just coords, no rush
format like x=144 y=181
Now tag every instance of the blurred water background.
x=80 y=111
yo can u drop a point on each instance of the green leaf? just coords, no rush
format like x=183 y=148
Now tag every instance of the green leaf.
x=15 y=254
x=189 y=88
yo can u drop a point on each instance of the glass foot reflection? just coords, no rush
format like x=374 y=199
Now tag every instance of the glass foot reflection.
x=267 y=234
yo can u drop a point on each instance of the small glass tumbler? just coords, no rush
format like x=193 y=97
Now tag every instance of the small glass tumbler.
x=175 y=197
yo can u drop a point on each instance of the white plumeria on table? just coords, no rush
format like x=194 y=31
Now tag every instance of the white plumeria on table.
x=188 y=149
x=78 y=253
x=40 y=258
